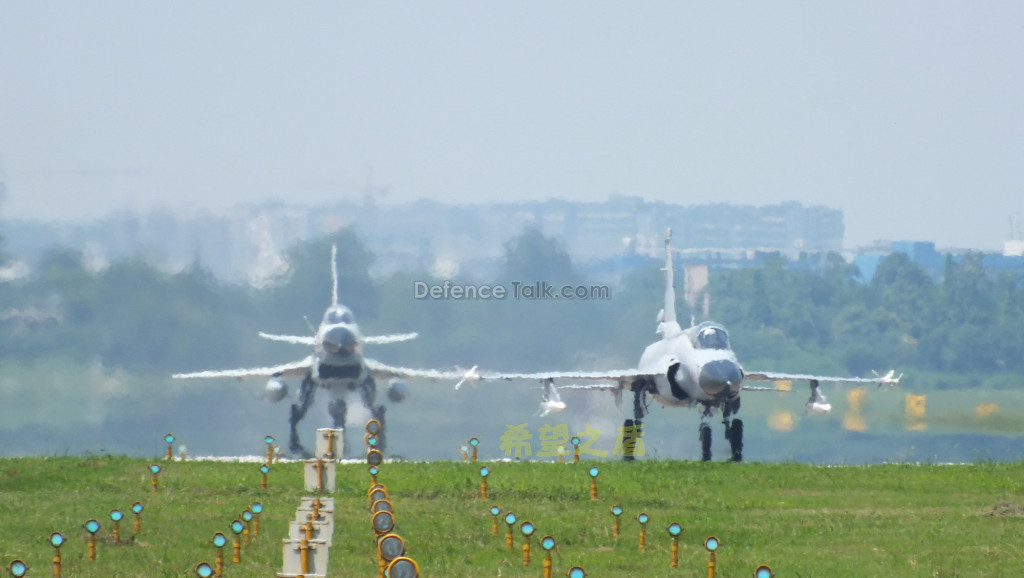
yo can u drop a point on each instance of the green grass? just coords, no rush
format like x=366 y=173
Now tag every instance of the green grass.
x=803 y=520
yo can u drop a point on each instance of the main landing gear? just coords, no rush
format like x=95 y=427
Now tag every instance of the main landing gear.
x=632 y=429
x=733 y=431
x=338 y=410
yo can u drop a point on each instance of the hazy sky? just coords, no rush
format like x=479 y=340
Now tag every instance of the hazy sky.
x=907 y=115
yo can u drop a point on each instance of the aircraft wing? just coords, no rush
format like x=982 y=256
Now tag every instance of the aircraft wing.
x=296 y=339
x=378 y=369
x=298 y=369
x=384 y=339
x=614 y=375
x=879 y=380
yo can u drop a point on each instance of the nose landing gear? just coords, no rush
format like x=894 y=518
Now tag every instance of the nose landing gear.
x=733 y=432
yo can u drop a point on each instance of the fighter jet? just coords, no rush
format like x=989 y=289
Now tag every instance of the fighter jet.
x=693 y=367
x=337 y=364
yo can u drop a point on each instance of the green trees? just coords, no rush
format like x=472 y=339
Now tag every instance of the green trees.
x=782 y=316
x=969 y=322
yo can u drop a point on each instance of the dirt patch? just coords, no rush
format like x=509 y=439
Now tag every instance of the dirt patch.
x=1005 y=509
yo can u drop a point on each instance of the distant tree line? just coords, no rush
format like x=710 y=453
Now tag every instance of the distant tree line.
x=965 y=330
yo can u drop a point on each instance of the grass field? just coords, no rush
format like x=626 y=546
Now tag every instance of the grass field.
x=802 y=520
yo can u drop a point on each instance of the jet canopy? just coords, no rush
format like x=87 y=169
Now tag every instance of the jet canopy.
x=338 y=314
x=709 y=336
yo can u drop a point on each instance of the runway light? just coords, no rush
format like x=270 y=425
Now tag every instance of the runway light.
x=264 y=470
x=593 y=482
x=154 y=469
x=575 y=449
x=389 y=547
x=18 y=568
x=380 y=493
x=246 y=532
x=642 y=518
x=510 y=519
x=269 y=440
x=318 y=464
x=219 y=541
x=236 y=528
x=374 y=457
x=495 y=511
x=137 y=524
x=92 y=526
x=383 y=523
x=315 y=515
x=763 y=572
x=403 y=567
x=116 y=516
x=182 y=452
x=374 y=470
x=373 y=427
x=548 y=544
x=484 y=472
x=169 y=438
x=57 y=540
x=675 y=530
x=256 y=508
x=576 y=572
x=381 y=506
x=330 y=454
x=617 y=512
x=203 y=570
x=370 y=440
x=712 y=544
x=527 y=529
x=473 y=443
x=465 y=452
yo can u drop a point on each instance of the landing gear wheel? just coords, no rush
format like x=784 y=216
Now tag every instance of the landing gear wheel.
x=298 y=411
x=736 y=440
x=705 y=442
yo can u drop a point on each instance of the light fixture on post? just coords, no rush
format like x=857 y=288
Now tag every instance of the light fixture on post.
x=92 y=526
x=137 y=523
x=57 y=540
x=169 y=438
x=527 y=530
x=675 y=530
x=642 y=518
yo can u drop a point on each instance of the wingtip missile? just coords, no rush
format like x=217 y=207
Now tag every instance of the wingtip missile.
x=889 y=379
x=469 y=376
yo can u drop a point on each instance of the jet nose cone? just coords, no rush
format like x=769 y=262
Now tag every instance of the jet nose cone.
x=339 y=338
x=721 y=376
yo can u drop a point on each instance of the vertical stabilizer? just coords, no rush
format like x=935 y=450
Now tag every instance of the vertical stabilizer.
x=334 y=275
x=668 y=325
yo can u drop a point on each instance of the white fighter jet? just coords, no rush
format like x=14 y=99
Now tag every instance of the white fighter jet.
x=337 y=365
x=693 y=367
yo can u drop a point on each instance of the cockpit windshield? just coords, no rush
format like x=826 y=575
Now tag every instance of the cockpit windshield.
x=711 y=337
x=338 y=315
